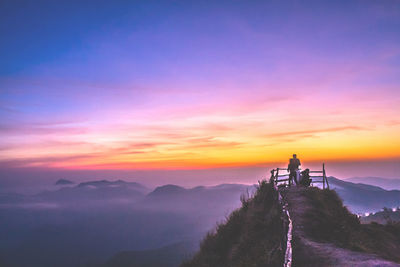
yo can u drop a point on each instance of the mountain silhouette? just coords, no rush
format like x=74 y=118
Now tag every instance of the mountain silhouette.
x=167 y=190
x=385 y=183
x=98 y=191
x=363 y=198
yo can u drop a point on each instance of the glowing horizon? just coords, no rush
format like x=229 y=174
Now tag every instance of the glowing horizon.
x=231 y=87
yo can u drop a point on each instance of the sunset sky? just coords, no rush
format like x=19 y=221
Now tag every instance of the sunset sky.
x=198 y=84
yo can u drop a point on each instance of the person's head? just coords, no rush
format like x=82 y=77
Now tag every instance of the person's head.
x=294 y=156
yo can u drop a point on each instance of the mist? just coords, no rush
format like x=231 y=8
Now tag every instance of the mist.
x=88 y=223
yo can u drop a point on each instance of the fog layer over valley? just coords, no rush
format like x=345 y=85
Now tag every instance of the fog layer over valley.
x=92 y=221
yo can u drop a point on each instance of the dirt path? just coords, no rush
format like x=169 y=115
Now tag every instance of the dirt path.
x=311 y=253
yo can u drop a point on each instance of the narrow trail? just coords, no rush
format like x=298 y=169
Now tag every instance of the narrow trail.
x=321 y=254
x=289 y=237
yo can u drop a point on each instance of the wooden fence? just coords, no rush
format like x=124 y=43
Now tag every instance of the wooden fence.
x=280 y=176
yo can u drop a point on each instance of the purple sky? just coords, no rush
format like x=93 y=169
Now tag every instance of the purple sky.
x=172 y=87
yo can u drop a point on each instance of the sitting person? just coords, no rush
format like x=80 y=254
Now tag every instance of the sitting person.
x=305 y=179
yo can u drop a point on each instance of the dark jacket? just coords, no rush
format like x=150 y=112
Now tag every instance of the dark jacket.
x=294 y=164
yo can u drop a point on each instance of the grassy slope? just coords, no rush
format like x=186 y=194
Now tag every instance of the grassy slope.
x=329 y=221
x=252 y=235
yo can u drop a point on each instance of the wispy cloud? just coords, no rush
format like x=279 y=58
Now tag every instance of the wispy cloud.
x=40 y=129
x=313 y=132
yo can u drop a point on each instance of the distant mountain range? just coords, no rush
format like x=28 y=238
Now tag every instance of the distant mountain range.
x=385 y=183
x=359 y=197
x=179 y=198
x=363 y=198
x=94 y=191
x=90 y=222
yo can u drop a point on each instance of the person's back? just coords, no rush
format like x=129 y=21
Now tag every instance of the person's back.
x=294 y=164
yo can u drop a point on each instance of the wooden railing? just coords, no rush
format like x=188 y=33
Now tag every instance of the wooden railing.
x=280 y=176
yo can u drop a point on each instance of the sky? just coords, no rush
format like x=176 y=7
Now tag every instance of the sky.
x=189 y=85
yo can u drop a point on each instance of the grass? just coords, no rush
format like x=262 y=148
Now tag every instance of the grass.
x=329 y=221
x=252 y=235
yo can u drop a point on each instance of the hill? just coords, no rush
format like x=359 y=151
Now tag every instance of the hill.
x=167 y=190
x=364 y=198
x=325 y=233
x=98 y=191
x=174 y=197
x=385 y=183
x=252 y=236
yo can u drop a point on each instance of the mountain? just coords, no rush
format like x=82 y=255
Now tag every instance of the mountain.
x=167 y=190
x=98 y=191
x=252 y=235
x=219 y=199
x=173 y=190
x=64 y=182
x=323 y=232
x=385 y=183
x=363 y=198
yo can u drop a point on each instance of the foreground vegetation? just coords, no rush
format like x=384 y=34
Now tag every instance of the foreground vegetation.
x=252 y=235
x=329 y=221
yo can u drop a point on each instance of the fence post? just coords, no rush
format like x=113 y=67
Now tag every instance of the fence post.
x=272 y=178
x=276 y=176
x=324 y=173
